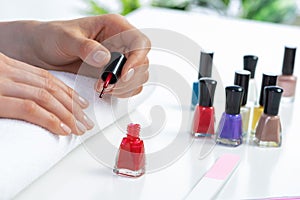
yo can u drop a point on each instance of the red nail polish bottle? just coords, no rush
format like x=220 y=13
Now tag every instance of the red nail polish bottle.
x=204 y=117
x=112 y=70
x=130 y=160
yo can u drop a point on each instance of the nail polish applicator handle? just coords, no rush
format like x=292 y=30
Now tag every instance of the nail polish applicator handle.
x=113 y=70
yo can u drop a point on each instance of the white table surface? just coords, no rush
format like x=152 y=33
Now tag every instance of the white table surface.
x=263 y=172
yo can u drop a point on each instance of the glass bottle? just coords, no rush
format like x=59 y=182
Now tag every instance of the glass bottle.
x=230 y=130
x=204 y=116
x=242 y=78
x=130 y=160
x=268 y=131
x=287 y=80
x=250 y=62
x=268 y=79
x=205 y=70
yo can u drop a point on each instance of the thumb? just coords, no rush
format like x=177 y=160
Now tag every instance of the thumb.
x=91 y=52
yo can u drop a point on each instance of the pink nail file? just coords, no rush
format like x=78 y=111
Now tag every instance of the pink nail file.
x=212 y=182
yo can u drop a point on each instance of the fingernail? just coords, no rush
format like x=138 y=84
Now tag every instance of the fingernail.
x=129 y=75
x=83 y=101
x=99 y=86
x=80 y=126
x=65 y=128
x=109 y=88
x=88 y=121
x=100 y=56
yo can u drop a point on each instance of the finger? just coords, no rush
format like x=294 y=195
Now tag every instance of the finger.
x=45 y=100
x=99 y=86
x=66 y=101
x=142 y=70
x=51 y=86
x=129 y=93
x=30 y=75
x=119 y=34
x=143 y=66
x=126 y=39
x=136 y=53
x=28 y=110
x=90 y=51
x=128 y=90
x=140 y=76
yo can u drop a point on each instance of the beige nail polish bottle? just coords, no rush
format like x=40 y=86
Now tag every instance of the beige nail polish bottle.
x=287 y=80
x=268 y=131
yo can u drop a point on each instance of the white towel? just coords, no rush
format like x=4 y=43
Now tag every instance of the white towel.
x=27 y=151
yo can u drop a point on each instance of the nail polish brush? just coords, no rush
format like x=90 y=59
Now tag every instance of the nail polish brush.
x=112 y=70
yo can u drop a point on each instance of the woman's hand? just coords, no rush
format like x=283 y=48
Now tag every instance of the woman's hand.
x=34 y=95
x=64 y=45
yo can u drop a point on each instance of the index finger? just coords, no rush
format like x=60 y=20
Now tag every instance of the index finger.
x=138 y=46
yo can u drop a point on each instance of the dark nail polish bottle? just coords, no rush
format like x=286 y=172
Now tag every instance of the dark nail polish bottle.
x=287 y=80
x=205 y=70
x=130 y=160
x=204 y=116
x=230 y=126
x=250 y=62
x=241 y=78
x=268 y=131
x=267 y=80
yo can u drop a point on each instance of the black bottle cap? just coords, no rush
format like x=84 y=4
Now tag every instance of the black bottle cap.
x=267 y=80
x=250 y=62
x=288 y=61
x=241 y=78
x=272 y=100
x=205 y=67
x=207 y=87
x=114 y=67
x=234 y=96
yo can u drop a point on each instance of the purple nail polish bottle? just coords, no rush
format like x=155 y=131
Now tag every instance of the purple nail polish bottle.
x=230 y=131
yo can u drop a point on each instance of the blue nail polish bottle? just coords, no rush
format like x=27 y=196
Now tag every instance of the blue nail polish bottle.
x=230 y=130
x=205 y=69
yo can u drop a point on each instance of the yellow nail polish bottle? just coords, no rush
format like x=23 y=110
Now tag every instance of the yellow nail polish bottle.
x=257 y=111
x=268 y=79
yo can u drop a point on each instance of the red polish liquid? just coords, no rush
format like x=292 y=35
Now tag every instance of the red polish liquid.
x=204 y=116
x=204 y=121
x=130 y=160
x=107 y=81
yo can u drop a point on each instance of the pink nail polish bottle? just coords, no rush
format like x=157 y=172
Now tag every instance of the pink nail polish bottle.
x=287 y=80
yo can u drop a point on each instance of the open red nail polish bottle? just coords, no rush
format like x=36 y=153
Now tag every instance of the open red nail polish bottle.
x=204 y=117
x=112 y=70
x=130 y=160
